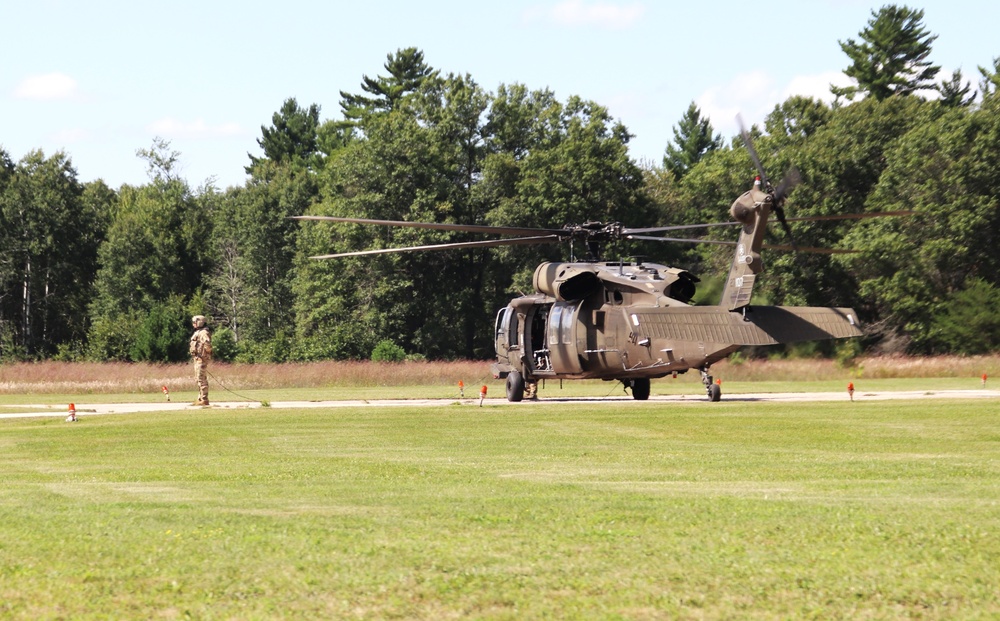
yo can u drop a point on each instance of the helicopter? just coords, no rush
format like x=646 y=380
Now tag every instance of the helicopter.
x=633 y=321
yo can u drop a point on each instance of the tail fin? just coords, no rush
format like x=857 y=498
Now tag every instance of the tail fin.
x=751 y=210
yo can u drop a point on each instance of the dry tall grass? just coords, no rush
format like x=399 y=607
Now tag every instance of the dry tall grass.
x=120 y=377
x=874 y=367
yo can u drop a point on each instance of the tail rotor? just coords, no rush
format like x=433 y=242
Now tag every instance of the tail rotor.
x=778 y=195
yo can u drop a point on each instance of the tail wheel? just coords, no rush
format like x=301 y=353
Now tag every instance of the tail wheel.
x=640 y=388
x=515 y=386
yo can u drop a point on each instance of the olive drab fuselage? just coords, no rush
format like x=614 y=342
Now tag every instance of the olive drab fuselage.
x=634 y=321
x=582 y=322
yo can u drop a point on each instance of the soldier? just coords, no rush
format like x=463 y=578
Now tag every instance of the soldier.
x=201 y=352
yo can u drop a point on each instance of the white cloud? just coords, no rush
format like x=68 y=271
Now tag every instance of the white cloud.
x=754 y=95
x=169 y=127
x=47 y=87
x=575 y=13
x=750 y=95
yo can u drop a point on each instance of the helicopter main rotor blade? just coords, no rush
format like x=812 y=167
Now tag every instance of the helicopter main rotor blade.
x=808 y=249
x=722 y=242
x=631 y=233
x=489 y=243
x=683 y=240
x=853 y=216
x=466 y=228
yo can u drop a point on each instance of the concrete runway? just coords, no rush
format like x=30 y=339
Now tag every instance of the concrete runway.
x=84 y=410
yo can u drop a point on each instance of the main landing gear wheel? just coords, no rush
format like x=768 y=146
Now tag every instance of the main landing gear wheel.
x=640 y=388
x=714 y=392
x=515 y=386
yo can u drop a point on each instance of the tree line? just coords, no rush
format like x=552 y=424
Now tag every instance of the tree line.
x=92 y=272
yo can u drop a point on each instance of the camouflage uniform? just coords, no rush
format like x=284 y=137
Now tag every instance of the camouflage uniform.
x=201 y=352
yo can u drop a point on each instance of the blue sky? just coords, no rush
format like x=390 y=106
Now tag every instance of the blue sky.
x=100 y=79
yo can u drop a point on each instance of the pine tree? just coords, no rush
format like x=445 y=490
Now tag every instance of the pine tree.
x=407 y=72
x=892 y=57
x=293 y=139
x=954 y=94
x=991 y=79
x=692 y=141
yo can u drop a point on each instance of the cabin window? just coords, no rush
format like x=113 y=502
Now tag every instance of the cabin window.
x=568 y=325
x=562 y=325
x=555 y=321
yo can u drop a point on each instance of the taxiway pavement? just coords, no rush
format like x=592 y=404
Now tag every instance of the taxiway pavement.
x=95 y=409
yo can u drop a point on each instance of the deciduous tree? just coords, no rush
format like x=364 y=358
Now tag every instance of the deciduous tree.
x=947 y=170
x=47 y=253
x=156 y=248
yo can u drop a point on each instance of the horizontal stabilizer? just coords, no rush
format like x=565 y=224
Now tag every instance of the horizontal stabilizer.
x=791 y=324
x=757 y=325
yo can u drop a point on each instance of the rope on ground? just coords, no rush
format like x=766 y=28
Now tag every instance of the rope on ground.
x=227 y=389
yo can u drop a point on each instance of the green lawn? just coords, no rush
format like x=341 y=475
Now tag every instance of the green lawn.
x=878 y=510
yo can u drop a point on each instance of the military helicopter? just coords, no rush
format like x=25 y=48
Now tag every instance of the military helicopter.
x=632 y=321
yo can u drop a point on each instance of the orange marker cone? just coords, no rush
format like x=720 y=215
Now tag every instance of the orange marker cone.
x=72 y=413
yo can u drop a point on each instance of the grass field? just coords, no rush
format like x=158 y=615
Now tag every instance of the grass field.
x=879 y=510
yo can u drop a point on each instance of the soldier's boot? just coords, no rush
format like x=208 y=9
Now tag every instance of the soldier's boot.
x=531 y=391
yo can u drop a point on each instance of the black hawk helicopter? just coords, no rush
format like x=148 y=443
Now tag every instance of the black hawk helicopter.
x=632 y=321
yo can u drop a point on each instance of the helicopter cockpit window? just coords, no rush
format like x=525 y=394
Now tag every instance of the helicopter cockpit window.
x=506 y=326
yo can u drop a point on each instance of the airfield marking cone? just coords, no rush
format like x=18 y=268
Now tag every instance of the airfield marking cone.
x=72 y=413
x=850 y=390
x=482 y=395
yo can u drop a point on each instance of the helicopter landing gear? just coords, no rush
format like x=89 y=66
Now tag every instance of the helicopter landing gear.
x=713 y=390
x=640 y=388
x=515 y=386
